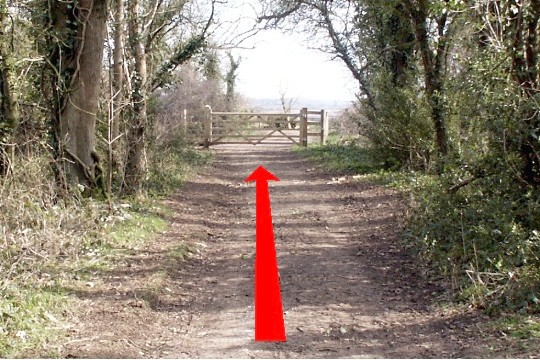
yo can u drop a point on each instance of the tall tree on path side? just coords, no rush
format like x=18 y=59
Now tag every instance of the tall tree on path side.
x=75 y=37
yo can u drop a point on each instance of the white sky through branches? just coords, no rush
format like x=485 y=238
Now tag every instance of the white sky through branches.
x=282 y=61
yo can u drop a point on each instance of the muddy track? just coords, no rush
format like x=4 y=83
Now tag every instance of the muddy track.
x=349 y=288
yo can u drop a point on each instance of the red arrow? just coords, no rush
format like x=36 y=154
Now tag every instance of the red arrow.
x=269 y=324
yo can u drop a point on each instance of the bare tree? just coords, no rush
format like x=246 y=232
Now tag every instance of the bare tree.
x=160 y=41
x=333 y=28
x=77 y=37
x=9 y=108
x=118 y=79
x=356 y=34
x=136 y=149
x=230 y=80
x=286 y=105
x=191 y=92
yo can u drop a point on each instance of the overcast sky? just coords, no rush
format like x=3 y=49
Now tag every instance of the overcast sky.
x=280 y=61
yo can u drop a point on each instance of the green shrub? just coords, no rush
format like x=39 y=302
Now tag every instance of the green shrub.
x=170 y=163
x=400 y=128
x=483 y=236
x=473 y=225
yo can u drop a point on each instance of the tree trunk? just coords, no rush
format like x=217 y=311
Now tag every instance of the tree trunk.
x=136 y=148
x=76 y=58
x=230 y=78
x=401 y=41
x=9 y=110
x=117 y=104
x=523 y=33
x=433 y=73
x=78 y=118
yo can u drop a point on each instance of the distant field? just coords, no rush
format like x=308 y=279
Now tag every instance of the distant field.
x=333 y=107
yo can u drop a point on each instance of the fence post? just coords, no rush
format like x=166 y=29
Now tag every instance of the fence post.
x=183 y=124
x=324 y=127
x=208 y=126
x=303 y=127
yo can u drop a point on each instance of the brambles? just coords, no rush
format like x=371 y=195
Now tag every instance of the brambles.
x=475 y=228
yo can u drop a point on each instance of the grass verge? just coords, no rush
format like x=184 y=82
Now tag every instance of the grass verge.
x=342 y=159
x=171 y=165
x=350 y=159
x=48 y=246
x=30 y=317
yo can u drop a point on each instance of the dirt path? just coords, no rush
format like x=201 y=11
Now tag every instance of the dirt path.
x=349 y=290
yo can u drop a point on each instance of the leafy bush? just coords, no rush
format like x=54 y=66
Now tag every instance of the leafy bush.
x=400 y=129
x=477 y=228
x=483 y=237
x=479 y=223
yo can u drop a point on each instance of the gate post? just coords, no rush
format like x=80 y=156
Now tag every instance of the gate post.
x=183 y=125
x=208 y=126
x=303 y=127
x=324 y=127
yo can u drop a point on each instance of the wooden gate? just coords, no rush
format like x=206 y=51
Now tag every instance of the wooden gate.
x=265 y=128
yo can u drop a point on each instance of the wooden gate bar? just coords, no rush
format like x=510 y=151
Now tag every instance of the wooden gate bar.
x=252 y=143
x=221 y=113
x=261 y=135
x=273 y=125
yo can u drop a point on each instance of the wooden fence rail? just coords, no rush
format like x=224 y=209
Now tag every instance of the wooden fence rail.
x=264 y=128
